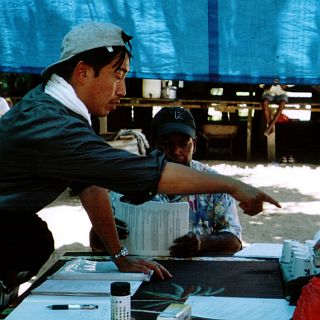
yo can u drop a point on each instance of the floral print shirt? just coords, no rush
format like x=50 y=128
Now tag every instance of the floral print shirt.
x=209 y=213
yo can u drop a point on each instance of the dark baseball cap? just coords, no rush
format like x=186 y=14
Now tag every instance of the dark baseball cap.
x=173 y=120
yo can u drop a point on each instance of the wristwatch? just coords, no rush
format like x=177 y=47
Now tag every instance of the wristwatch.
x=122 y=253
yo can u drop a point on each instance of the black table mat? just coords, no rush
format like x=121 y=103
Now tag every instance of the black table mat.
x=255 y=279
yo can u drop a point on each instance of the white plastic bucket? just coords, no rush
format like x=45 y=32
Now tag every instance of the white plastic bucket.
x=151 y=88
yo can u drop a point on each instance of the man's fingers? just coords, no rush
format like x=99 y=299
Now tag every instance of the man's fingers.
x=256 y=206
x=122 y=229
x=120 y=223
x=160 y=270
x=126 y=264
x=251 y=208
x=187 y=248
x=184 y=238
x=269 y=199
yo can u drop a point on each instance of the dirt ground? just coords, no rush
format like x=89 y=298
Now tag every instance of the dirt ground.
x=295 y=186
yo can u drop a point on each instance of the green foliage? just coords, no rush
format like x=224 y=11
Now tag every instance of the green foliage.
x=17 y=84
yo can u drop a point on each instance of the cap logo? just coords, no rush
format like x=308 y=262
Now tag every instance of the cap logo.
x=178 y=114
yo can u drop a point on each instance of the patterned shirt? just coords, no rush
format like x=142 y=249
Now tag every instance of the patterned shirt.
x=209 y=213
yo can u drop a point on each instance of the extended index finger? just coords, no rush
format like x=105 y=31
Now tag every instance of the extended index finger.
x=267 y=198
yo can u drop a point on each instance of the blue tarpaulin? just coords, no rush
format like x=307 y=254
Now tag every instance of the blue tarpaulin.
x=241 y=41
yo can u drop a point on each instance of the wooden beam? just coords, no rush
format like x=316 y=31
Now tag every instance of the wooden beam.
x=220 y=105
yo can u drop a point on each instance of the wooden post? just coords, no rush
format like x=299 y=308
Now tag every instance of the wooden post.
x=271 y=146
x=271 y=141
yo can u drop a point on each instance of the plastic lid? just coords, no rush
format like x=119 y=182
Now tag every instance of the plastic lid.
x=120 y=288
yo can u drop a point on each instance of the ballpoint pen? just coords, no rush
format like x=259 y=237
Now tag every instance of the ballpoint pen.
x=73 y=306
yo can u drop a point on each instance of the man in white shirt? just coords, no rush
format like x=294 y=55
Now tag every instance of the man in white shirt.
x=4 y=106
x=273 y=94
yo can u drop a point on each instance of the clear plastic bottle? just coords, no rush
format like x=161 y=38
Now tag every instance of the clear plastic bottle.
x=120 y=301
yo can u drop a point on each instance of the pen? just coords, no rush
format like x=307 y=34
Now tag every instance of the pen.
x=73 y=306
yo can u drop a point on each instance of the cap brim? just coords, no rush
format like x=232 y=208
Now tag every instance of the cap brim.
x=46 y=73
x=169 y=128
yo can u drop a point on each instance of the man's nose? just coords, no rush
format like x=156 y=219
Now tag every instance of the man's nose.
x=121 y=89
x=176 y=149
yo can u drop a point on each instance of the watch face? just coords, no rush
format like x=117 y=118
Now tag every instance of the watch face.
x=122 y=253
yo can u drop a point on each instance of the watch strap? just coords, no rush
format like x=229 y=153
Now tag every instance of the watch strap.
x=122 y=253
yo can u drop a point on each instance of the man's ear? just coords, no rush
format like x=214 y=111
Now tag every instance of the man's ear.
x=81 y=72
x=194 y=145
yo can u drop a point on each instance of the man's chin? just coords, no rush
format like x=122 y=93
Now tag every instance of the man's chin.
x=110 y=109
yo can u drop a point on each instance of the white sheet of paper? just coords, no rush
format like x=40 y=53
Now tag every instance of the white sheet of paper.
x=79 y=287
x=153 y=225
x=230 y=308
x=84 y=269
x=35 y=307
x=261 y=250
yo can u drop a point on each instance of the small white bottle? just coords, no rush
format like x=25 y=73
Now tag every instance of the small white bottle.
x=120 y=301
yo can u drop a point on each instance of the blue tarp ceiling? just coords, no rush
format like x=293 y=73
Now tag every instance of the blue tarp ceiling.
x=241 y=41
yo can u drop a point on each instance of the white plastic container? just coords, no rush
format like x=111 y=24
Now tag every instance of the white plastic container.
x=287 y=250
x=120 y=301
x=151 y=89
x=176 y=311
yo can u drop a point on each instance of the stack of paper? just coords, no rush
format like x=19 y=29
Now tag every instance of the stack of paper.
x=261 y=250
x=234 y=308
x=78 y=282
x=95 y=288
x=153 y=226
x=80 y=268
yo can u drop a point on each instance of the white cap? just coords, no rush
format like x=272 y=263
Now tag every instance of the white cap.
x=87 y=36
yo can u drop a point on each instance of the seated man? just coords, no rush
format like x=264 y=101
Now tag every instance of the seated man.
x=214 y=222
x=273 y=94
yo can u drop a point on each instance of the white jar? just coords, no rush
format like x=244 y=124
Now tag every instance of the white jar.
x=151 y=89
x=120 y=301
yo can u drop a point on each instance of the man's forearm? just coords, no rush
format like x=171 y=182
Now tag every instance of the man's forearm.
x=97 y=204
x=179 y=179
